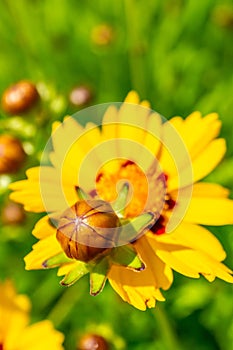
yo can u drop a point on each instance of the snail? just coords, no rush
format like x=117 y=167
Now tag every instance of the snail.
x=12 y=155
x=19 y=98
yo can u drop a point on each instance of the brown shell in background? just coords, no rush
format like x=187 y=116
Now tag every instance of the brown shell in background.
x=12 y=155
x=19 y=98
x=92 y=342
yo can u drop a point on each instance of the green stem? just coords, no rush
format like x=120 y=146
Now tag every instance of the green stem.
x=20 y=22
x=65 y=304
x=167 y=332
x=135 y=49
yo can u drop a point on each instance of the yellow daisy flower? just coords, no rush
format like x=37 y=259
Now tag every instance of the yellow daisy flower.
x=15 y=331
x=163 y=163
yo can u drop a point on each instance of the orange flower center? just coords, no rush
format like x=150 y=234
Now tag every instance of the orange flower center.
x=111 y=177
x=113 y=174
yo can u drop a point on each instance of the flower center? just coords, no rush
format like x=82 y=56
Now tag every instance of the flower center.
x=1 y=346
x=116 y=171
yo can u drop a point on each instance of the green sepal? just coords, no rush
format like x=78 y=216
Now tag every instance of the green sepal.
x=131 y=229
x=120 y=204
x=53 y=222
x=56 y=261
x=74 y=275
x=81 y=194
x=127 y=256
x=98 y=276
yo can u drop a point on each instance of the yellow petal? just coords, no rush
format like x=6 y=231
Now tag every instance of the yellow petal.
x=161 y=272
x=43 y=191
x=196 y=131
x=132 y=97
x=197 y=135
x=173 y=156
x=39 y=336
x=172 y=255
x=27 y=192
x=195 y=237
x=55 y=125
x=191 y=262
x=109 y=123
x=63 y=136
x=202 y=165
x=42 y=250
x=210 y=211
x=153 y=136
x=43 y=228
x=141 y=289
x=14 y=310
x=82 y=160
x=136 y=288
x=204 y=189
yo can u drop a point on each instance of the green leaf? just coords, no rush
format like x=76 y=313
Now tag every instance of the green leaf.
x=120 y=204
x=56 y=261
x=74 y=275
x=98 y=276
x=127 y=256
x=131 y=229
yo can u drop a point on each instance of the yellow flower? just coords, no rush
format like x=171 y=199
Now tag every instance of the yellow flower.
x=15 y=331
x=163 y=162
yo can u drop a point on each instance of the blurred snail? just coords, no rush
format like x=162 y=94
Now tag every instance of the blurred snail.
x=92 y=342
x=19 y=98
x=12 y=154
x=13 y=214
x=80 y=95
x=87 y=229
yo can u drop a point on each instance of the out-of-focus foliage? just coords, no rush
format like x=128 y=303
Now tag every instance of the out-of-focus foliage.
x=176 y=53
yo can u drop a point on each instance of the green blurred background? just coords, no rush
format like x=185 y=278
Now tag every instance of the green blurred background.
x=176 y=53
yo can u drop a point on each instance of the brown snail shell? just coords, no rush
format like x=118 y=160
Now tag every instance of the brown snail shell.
x=12 y=155
x=19 y=98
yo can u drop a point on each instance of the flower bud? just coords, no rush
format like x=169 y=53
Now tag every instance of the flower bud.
x=92 y=342
x=87 y=229
x=80 y=96
x=12 y=154
x=12 y=214
x=19 y=98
